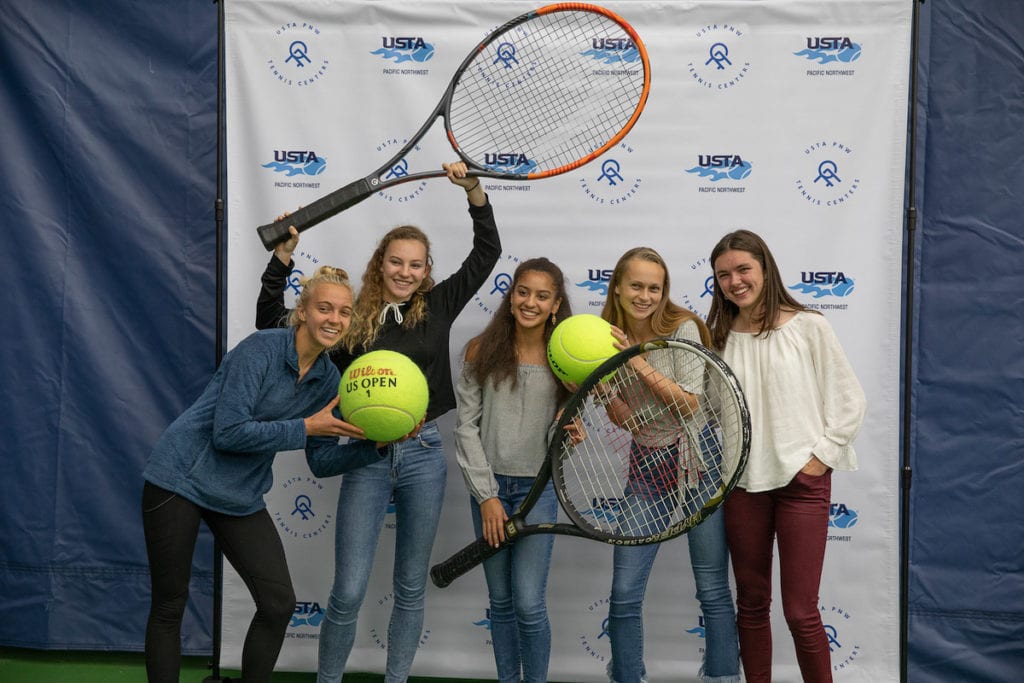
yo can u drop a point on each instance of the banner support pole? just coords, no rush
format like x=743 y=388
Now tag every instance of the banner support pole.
x=906 y=470
x=218 y=557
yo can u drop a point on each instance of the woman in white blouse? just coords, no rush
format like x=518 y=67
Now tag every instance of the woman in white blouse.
x=806 y=407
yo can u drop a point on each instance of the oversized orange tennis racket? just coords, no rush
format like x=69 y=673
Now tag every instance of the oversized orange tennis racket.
x=541 y=95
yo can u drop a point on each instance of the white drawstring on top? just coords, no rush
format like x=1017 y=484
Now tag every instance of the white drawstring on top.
x=391 y=306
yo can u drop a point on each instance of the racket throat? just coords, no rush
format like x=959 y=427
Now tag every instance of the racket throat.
x=514 y=528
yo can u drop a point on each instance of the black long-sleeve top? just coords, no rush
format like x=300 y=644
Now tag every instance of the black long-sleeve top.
x=427 y=343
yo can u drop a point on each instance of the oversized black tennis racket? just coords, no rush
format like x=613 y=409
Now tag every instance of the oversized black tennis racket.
x=666 y=434
x=541 y=95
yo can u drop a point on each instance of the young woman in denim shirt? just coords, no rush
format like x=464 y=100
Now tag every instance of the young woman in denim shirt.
x=275 y=391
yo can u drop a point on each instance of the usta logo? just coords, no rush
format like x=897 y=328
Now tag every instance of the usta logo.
x=720 y=160
x=307 y=614
x=826 y=277
x=403 y=42
x=829 y=43
x=612 y=43
x=505 y=159
x=298 y=156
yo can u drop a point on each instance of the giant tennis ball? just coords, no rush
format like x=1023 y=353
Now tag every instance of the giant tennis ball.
x=578 y=345
x=383 y=393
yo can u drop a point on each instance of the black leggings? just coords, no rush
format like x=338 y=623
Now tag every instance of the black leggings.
x=252 y=546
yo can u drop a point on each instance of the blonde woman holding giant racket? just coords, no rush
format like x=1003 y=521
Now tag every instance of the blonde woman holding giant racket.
x=639 y=308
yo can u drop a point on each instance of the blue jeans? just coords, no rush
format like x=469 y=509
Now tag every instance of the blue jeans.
x=709 y=558
x=517 y=579
x=414 y=473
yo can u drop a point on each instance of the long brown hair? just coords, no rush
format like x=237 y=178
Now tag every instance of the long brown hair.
x=667 y=316
x=494 y=357
x=774 y=296
x=365 y=319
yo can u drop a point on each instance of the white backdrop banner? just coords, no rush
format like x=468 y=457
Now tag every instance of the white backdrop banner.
x=787 y=117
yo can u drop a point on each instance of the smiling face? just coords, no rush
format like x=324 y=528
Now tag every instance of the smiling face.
x=403 y=269
x=640 y=289
x=326 y=315
x=534 y=299
x=740 y=278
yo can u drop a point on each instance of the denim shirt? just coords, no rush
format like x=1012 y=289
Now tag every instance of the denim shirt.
x=219 y=452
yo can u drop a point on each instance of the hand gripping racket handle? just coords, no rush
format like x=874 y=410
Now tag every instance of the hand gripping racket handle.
x=320 y=210
x=475 y=553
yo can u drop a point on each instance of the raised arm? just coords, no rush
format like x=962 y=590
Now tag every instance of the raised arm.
x=455 y=291
x=270 y=308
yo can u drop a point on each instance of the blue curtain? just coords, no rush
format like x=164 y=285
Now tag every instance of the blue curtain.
x=109 y=135
x=966 y=597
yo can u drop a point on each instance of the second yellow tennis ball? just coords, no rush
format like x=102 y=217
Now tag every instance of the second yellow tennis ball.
x=578 y=345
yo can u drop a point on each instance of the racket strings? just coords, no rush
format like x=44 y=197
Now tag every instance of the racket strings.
x=541 y=96
x=649 y=468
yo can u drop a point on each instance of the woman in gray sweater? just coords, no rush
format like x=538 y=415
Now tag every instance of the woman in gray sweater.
x=507 y=399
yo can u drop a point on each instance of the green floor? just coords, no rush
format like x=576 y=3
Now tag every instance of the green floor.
x=45 y=666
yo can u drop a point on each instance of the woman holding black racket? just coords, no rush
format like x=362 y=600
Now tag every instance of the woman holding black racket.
x=639 y=308
x=275 y=391
x=807 y=407
x=399 y=308
x=508 y=398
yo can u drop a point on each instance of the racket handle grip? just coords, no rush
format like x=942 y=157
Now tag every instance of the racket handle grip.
x=272 y=234
x=306 y=217
x=443 y=573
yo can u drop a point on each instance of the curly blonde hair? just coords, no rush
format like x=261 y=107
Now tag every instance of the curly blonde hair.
x=366 y=321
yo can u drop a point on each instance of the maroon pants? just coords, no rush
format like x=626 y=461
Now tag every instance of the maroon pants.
x=796 y=514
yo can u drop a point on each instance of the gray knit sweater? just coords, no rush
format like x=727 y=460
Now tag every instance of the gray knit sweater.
x=501 y=430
